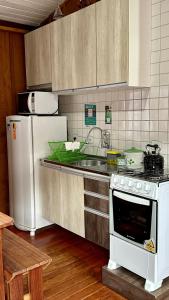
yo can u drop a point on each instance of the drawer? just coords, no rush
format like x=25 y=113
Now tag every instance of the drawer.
x=97 y=229
x=96 y=186
x=96 y=203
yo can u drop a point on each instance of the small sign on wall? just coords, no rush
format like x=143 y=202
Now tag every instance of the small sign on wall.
x=108 y=115
x=90 y=114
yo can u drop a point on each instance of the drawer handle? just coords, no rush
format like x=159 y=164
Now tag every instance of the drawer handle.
x=96 y=212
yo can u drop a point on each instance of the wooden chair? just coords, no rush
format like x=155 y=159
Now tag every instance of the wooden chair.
x=4 y=222
x=21 y=258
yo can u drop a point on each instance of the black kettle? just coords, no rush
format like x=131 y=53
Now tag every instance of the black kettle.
x=153 y=161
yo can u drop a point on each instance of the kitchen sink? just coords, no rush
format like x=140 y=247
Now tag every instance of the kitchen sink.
x=90 y=163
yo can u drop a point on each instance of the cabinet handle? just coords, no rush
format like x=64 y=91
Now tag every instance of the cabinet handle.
x=132 y=199
x=96 y=212
x=98 y=177
x=95 y=195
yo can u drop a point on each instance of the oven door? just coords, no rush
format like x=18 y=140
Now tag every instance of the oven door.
x=134 y=219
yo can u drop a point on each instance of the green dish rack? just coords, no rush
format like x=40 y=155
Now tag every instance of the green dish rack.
x=59 y=152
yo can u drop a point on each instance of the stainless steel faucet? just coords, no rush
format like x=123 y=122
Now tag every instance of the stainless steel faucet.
x=105 y=137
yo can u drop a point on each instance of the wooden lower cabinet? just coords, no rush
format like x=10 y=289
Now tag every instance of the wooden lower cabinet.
x=97 y=229
x=72 y=200
x=50 y=194
x=96 y=202
x=63 y=202
x=62 y=199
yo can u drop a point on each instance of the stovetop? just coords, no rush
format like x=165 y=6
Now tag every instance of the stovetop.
x=156 y=177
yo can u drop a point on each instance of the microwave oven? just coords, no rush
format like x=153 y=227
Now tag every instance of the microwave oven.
x=37 y=103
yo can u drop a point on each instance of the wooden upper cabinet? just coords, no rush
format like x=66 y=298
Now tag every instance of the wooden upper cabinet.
x=61 y=50
x=123 y=42
x=84 y=47
x=106 y=43
x=74 y=50
x=112 y=41
x=38 y=56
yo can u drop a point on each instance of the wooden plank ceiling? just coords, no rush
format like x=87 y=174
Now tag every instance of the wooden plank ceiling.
x=28 y=12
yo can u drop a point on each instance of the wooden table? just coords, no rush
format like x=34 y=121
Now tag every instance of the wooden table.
x=4 y=222
x=22 y=258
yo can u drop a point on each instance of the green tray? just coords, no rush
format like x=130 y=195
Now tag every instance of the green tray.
x=56 y=146
x=67 y=158
x=59 y=153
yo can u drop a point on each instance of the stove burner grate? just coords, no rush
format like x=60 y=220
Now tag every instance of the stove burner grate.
x=155 y=176
x=130 y=171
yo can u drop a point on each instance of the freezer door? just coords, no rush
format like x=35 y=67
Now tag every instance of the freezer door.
x=45 y=129
x=21 y=175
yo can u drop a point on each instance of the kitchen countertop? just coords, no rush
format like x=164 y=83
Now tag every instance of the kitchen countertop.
x=104 y=170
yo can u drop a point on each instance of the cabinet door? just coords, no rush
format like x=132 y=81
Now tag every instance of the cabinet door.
x=73 y=47
x=38 y=57
x=61 y=51
x=84 y=47
x=97 y=229
x=112 y=41
x=50 y=194
x=72 y=200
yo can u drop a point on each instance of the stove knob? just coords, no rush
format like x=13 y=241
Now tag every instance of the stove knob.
x=115 y=180
x=138 y=186
x=122 y=181
x=130 y=184
x=147 y=188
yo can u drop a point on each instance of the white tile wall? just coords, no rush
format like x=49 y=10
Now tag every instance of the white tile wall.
x=139 y=116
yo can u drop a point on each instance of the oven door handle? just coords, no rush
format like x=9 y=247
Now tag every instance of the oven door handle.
x=132 y=199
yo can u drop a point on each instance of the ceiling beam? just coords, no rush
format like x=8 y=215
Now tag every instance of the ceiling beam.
x=15 y=27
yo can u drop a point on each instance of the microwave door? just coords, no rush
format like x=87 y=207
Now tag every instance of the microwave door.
x=23 y=107
x=31 y=102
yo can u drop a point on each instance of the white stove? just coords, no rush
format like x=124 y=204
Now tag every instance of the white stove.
x=139 y=226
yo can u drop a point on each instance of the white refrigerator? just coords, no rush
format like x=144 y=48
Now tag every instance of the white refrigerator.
x=27 y=142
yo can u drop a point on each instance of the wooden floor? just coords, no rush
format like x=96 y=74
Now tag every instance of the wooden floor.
x=75 y=271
